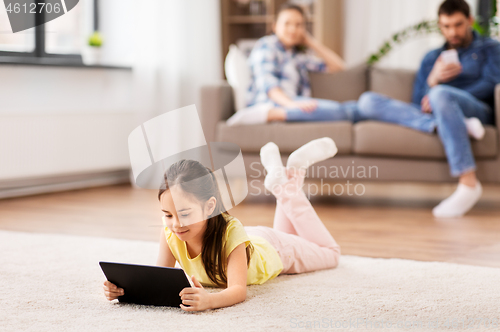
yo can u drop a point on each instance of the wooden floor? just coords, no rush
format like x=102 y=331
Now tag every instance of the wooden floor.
x=389 y=220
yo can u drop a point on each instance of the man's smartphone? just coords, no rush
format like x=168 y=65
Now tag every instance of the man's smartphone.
x=450 y=56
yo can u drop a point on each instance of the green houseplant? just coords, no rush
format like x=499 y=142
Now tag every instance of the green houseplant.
x=92 y=51
x=95 y=39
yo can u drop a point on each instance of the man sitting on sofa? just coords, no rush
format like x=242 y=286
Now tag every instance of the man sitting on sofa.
x=452 y=96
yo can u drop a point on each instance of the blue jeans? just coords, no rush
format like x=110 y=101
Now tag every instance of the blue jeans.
x=450 y=106
x=327 y=110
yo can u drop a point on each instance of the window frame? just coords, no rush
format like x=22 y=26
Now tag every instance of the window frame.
x=38 y=55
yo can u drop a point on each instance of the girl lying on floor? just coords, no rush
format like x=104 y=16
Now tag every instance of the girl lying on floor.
x=219 y=251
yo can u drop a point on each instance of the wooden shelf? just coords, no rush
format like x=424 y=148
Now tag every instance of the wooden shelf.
x=250 y=19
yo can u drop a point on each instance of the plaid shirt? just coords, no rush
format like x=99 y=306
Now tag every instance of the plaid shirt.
x=271 y=65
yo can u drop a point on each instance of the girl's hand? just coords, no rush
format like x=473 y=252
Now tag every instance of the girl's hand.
x=112 y=291
x=196 y=297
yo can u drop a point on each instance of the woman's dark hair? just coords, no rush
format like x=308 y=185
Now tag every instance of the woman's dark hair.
x=290 y=6
x=450 y=7
x=190 y=175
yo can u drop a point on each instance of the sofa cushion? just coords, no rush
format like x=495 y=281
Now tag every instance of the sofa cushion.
x=373 y=138
x=340 y=86
x=238 y=75
x=394 y=83
x=288 y=136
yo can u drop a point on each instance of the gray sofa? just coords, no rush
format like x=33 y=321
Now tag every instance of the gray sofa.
x=390 y=152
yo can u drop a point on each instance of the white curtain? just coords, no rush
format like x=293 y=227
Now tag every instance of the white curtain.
x=177 y=50
x=368 y=23
x=177 y=46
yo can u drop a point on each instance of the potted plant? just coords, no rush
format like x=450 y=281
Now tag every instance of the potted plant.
x=91 y=54
x=92 y=51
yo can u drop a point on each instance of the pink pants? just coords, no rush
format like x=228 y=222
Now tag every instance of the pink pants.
x=298 y=235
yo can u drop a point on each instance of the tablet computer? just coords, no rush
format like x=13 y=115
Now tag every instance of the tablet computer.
x=146 y=284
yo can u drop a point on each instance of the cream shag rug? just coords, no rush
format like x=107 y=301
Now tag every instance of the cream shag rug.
x=52 y=282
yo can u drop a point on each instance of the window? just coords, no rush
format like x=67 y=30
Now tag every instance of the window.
x=23 y=41
x=57 y=41
x=62 y=35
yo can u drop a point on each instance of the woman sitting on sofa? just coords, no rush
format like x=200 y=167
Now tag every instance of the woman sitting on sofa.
x=280 y=89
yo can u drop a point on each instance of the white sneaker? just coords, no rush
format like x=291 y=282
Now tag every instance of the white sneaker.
x=475 y=128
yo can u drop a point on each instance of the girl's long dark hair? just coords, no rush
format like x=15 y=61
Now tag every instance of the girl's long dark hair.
x=190 y=175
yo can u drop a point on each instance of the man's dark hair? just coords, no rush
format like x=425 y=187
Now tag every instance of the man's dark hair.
x=450 y=7
x=290 y=6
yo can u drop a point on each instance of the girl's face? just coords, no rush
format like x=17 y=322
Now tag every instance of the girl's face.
x=290 y=28
x=187 y=218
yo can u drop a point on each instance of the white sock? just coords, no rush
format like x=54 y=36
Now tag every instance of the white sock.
x=461 y=201
x=271 y=160
x=312 y=152
x=255 y=114
x=474 y=128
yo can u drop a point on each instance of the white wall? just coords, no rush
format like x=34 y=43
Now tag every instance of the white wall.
x=63 y=120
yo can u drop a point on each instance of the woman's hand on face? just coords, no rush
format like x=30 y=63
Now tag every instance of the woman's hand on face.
x=305 y=105
x=197 y=298
x=307 y=38
x=112 y=291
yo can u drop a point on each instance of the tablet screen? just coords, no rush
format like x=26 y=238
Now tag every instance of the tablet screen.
x=147 y=284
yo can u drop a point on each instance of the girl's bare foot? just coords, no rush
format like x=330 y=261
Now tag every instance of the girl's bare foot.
x=256 y=114
x=276 y=114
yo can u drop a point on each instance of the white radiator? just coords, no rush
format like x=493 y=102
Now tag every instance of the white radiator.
x=53 y=149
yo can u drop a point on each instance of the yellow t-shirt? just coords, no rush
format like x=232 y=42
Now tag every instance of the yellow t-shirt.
x=265 y=263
